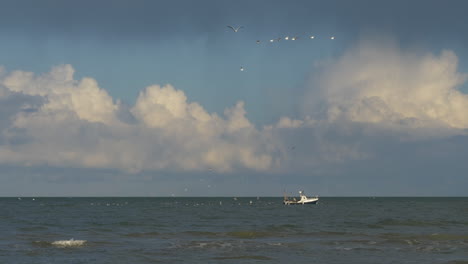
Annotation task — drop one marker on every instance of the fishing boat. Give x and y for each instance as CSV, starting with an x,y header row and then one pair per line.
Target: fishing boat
x,y
302,200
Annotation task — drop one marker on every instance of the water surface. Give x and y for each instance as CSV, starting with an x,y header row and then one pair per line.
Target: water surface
x,y
225,230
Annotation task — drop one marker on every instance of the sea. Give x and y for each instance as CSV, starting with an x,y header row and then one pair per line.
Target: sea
x,y
233,230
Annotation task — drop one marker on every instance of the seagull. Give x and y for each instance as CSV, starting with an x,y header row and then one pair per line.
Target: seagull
x,y
241,68
271,40
332,37
235,29
294,38
312,37
258,41
286,38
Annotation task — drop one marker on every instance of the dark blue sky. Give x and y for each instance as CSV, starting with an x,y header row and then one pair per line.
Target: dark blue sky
x,y
145,41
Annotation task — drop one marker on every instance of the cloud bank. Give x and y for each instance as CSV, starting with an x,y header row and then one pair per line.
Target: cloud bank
x,y
373,97
75,123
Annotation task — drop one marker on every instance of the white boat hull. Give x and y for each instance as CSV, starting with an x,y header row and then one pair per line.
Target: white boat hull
x,y
303,200
308,201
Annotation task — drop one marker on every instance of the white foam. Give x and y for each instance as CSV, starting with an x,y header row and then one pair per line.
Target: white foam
x,y
69,243
275,244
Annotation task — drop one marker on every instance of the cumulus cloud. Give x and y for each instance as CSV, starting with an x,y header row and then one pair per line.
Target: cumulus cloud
x,y
371,97
78,124
64,94
374,100
379,83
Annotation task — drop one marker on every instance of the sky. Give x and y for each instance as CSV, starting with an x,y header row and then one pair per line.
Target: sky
x,y
147,98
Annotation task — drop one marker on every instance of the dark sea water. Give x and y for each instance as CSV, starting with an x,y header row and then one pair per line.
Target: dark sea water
x,y
224,230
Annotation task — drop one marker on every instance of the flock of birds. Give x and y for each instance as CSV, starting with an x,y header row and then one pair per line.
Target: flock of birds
x,y
290,38
236,29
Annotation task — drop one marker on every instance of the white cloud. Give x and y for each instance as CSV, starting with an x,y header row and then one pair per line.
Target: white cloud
x,y
64,94
78,126
372,97
374,93
378,83
286,122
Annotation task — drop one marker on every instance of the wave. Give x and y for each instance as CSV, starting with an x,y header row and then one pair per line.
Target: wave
x,y
128,223
286,228
416,238
32,228
203,233
279,232
68,243
206,245
72,243
250,234
253,257
414,223
143,234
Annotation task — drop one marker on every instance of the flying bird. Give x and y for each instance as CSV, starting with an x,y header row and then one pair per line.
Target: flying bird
x,y
332,37
286,38
312,37
241,68
235,29
258,41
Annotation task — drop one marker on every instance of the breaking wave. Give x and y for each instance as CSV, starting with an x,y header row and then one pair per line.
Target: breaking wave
x,y
61,243
68,243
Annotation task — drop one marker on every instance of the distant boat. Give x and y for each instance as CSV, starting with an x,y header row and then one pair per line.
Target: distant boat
x,y
302,200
